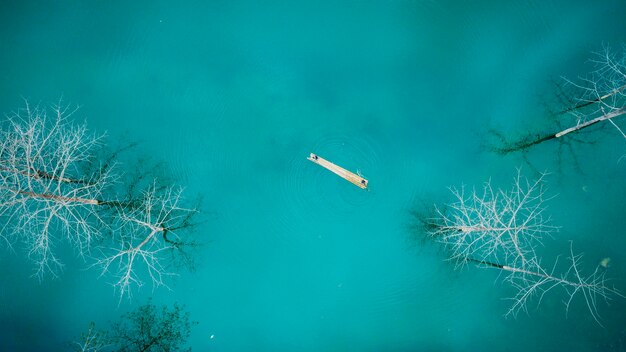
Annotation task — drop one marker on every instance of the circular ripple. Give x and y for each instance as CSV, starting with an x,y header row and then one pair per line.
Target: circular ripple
x,y
193,152
310,190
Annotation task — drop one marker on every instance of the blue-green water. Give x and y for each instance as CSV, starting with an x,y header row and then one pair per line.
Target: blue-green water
x,y
233,95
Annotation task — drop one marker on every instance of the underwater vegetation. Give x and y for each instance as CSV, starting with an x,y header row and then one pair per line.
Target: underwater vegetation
x,y
147,328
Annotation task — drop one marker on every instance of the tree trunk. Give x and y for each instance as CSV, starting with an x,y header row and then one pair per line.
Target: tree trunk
x,y
591,122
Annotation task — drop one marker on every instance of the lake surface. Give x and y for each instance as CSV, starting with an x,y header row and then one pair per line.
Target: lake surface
x,y
234,95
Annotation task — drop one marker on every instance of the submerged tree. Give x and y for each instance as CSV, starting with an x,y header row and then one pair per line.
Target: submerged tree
x,y
146,329
501,229
93,340
55,187
600,98
494,225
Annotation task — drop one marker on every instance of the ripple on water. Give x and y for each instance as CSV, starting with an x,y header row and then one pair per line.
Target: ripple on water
x,y
421,292
193,152
309,190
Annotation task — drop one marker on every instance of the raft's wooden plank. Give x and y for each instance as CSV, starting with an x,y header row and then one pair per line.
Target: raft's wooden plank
x,y
340,171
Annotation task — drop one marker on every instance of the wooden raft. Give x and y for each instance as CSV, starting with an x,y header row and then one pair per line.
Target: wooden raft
x,y
338,170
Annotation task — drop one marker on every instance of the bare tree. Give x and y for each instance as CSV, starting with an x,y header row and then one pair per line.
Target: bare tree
x,y
534,281
148,233
501,229
494,225
43,194
55,189
600,98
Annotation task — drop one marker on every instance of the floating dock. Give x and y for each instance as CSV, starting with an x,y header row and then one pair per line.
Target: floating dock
x,y
340,171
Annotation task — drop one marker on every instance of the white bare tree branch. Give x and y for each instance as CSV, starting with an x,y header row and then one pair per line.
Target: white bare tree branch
x,y
603,93
146,233
49,197
599,98
495,225
536,282
44,195
501,229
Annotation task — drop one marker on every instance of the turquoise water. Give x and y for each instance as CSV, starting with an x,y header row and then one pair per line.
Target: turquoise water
x,y
233,95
